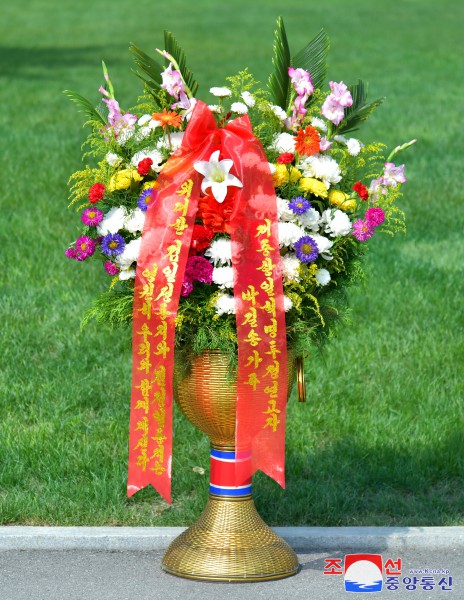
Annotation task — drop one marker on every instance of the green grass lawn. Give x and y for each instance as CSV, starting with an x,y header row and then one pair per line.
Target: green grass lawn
x,y
380,440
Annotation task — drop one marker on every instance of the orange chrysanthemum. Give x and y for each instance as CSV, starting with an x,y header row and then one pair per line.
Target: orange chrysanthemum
x,y
308,141
168,118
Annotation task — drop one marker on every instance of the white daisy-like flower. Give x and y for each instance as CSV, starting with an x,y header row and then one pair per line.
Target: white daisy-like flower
x,y
223,277
216,175
278,111
220,92
321,167
225,305
337,223
215,108
152,153
310,220
284,142
113,159
220,252
322,276
284,213
129,255
354,146
290,267
289,233
287,303
135,220
323,245
239,108
125,274
318,124
113,221
248,98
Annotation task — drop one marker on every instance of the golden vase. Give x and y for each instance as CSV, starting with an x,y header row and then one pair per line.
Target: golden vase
x,y
230,541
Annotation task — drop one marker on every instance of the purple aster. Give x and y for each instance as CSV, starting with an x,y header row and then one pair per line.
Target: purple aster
x,y
85,247
111,268
113,244
374,216
144,199
299,205
362,230
306,249
92,216
71,253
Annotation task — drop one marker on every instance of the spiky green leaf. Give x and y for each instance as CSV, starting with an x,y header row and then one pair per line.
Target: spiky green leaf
x,y
279,81
172,47
149,66
313,58
360,110
86,107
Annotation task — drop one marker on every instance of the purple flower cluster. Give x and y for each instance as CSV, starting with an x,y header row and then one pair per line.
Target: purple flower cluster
x,y
144,199
363,229
306,249
83,248
299,205
113,244
198,268
92,217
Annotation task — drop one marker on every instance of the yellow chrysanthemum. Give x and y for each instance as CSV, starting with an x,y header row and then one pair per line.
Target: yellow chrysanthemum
x,y
123,179
149,184
284,175
341,200
313,186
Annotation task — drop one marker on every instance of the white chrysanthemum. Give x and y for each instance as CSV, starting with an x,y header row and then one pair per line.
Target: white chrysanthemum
x,y
152,153
290,267
354,146
113,159
336,222
324,168
287,303
225,305
144,119
126,274
129,255
239,108
125,135
176,141
215,108
284,142
248,98
323,245
310,219
278,111
318,124
220,92
142,133
223,277
220,252
113,221
135,220
289,233
284,213
322,277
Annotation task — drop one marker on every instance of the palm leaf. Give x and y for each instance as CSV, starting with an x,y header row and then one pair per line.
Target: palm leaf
x,y
313,58
149,66
86,107
279,81
172,47
360,110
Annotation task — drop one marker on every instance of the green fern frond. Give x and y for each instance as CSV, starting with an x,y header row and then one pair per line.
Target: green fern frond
x,y
359,111
149,66
172,47
113,308
86,107
279,81
313,58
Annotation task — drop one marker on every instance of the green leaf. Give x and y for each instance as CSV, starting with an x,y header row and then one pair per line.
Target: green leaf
x,y
359,111
172,47
86,107
279,81
313,58
149,66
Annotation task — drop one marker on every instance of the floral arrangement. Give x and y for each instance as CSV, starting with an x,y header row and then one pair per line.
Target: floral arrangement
x,y
334,192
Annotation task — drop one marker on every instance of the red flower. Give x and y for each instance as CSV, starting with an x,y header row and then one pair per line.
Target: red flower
x,y
96,192
286,158
308,141
144,166
361,190
201,238
214,215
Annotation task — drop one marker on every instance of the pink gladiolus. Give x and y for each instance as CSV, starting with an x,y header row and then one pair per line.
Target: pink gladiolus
x,y
174,85
393,175
334,105
116,119
324,144
301,81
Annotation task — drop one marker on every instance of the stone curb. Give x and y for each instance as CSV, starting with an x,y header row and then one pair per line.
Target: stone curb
x,y
303,539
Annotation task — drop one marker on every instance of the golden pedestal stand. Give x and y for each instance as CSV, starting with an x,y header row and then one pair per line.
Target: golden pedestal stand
x,y
230,541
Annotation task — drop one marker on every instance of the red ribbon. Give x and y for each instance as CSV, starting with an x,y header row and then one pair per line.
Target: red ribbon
x,y
258,292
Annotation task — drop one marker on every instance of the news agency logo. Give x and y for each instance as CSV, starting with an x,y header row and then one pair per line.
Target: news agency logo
x,y
363,573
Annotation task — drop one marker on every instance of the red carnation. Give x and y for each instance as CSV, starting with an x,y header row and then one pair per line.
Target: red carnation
x,y
144,166
286,158
201,239
96,192
361,190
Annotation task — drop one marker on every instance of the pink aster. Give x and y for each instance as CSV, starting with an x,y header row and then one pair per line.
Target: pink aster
x,y
362,230
111,268
85,247
92,217
374,216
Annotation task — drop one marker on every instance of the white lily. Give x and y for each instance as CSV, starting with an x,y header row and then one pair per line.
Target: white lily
x,y
216,175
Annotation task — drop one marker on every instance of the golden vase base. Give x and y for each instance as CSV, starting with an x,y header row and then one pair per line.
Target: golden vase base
x,y
230,542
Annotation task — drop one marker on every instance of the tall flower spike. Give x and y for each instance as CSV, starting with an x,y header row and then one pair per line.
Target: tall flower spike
x,y
216,175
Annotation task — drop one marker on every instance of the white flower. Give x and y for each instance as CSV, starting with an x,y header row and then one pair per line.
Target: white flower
x,y
220,252
239,107
287,303
284,142
279,112
215,108
249,99
341,139
318,124
284,213
272,168
323,245
337,222
321,167
144,119
129,255
176,141
289,233
290,267
223,277
216,175
220,92
310,219
322,277
135,220
225,305
113,221
124,135
126,274
142,133
152,153
113,159
354,146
